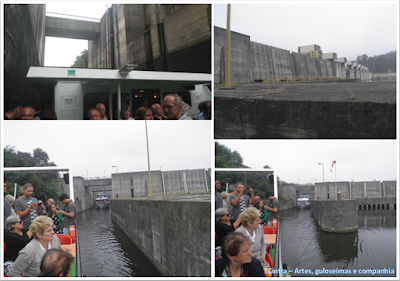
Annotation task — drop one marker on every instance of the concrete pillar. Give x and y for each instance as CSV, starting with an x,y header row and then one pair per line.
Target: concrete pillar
x,y
338,216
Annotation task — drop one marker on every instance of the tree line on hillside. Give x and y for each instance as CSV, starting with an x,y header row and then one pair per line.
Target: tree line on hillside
x,y
41,182
82,60
379,64
225,158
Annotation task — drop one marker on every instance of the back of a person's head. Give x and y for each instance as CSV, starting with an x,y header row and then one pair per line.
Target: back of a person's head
x,y
63,196
49,113
11,103
55,263
268,194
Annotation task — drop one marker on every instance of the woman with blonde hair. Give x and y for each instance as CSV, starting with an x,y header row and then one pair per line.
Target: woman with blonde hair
x,y
30,257
252,229
144,113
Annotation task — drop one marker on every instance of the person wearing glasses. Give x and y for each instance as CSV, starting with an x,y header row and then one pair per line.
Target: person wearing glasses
x,y
224,225
252,229
30,257
144,113
15,239
173,108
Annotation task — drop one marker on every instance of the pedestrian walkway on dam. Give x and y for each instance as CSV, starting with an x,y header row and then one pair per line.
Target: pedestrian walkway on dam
x,y
380,92
306,110
202,197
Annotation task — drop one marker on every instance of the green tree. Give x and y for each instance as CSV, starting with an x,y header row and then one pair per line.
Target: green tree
x,y
82,60
42,182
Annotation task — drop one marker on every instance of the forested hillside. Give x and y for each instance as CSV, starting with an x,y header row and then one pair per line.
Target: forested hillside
x,y
379,64
225,158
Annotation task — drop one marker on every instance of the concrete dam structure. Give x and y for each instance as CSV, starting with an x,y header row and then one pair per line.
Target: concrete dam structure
x,y
154,37
172,228
251,61
300,97
367,195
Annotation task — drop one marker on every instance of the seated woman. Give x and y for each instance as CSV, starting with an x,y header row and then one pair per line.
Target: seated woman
x,y
224,225
126,113
30,257
236,258
57,219
144,113
15,238
263,212
253,230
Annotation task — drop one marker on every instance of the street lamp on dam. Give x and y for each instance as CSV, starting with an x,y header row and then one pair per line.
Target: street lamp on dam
x,y
118,195
323,181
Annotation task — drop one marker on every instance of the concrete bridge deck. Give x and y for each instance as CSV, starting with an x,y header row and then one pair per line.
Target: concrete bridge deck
x,y
306,110
71,28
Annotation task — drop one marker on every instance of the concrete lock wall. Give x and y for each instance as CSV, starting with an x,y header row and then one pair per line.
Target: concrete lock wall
x,y
247,118
24,28
268,63
338,216
174,235
154,37
288,191
136,184
240,56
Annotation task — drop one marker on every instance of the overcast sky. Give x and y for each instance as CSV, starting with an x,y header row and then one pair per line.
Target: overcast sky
x,y
62,51
296,161
346,28
97,146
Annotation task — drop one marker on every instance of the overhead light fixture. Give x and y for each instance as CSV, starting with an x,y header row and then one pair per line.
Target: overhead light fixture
x,y
127,68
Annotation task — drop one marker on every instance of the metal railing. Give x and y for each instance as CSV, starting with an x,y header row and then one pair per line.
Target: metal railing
x,y
58,15
277,254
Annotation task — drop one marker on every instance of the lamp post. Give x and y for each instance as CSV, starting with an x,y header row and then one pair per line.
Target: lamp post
x,y
323,181
118,195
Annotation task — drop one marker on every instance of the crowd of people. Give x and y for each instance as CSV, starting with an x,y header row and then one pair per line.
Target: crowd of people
x,y
174,109
31,247
239,230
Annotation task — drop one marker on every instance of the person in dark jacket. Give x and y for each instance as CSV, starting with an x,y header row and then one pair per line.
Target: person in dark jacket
x,y
236,258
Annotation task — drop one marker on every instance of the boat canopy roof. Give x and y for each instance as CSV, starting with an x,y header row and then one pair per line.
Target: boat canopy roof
x,y
48,75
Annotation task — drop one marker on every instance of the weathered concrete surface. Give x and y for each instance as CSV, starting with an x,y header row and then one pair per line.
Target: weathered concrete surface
x,y
70,28
154,37
173,232
338,216
23,47
354,190
306,110
136,184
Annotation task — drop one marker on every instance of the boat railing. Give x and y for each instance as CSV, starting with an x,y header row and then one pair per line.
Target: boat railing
x,y
78,268
277,253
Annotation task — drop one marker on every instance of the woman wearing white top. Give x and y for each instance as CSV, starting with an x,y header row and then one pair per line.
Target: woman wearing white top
x,y
253,230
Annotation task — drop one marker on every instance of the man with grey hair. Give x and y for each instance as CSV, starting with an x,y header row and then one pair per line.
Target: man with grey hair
x,y
239,201
173,108
27,206
94,114
157,112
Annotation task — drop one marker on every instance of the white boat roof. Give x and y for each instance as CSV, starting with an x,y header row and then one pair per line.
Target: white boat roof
x,y
36,73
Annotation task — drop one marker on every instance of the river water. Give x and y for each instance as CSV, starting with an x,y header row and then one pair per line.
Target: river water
x,y
106,250
306,247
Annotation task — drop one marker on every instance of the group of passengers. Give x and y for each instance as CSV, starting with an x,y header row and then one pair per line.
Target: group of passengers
x,y
174,109
30,247
239,232
15,109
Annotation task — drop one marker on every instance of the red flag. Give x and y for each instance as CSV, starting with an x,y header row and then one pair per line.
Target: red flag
x,y
333,162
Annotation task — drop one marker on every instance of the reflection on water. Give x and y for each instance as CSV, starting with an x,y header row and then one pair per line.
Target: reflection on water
x,y
106,250
305,246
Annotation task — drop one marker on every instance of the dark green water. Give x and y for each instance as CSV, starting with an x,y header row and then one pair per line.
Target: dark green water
x,y
105,249
372,247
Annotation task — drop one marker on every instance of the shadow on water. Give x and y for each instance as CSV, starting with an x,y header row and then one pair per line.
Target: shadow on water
x,y
305,246
106,250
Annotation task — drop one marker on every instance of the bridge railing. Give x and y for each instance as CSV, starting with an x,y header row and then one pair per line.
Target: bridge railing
x,y
58,15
